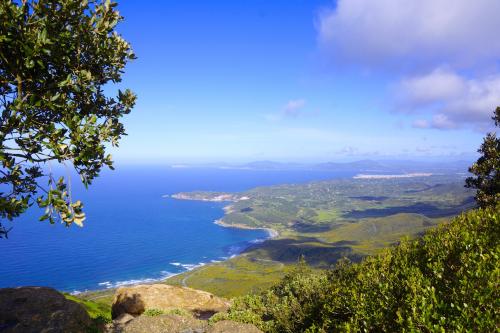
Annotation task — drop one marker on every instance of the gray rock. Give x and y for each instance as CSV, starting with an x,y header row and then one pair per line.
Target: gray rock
x,y
137,299
40,310
123,319
165,324
229,326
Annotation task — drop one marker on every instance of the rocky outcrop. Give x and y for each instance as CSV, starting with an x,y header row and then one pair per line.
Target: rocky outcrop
x,y
172,323
40,310
135,300
165,324
229,326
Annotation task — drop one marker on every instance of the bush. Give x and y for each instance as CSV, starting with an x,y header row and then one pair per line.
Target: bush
x,y
158,312
448,280
152,312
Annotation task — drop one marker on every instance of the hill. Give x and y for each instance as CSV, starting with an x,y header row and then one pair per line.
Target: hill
x,y
324,222
448,280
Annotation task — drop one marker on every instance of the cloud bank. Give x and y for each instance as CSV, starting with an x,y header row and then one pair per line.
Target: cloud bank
x,y
442,54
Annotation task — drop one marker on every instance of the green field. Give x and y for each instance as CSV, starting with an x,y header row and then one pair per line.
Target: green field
x,y
324,222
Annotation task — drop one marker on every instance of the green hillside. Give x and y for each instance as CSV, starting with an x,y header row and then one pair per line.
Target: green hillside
x,y
324,222
446,281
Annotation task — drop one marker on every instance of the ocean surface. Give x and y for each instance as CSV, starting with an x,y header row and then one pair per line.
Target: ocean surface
x,y
133,233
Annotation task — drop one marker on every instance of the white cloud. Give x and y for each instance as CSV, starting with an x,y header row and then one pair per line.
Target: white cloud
x,y
438,85
293,107
453,99
452,31
348,150
420,123
442,54
441,121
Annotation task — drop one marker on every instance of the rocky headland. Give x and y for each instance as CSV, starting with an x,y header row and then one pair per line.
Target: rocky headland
x,y
151,308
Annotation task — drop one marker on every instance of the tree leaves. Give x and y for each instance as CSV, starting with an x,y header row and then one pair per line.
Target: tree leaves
x,y
55,58
487,169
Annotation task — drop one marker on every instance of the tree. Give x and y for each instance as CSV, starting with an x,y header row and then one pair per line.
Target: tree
x,y
56,56
486,170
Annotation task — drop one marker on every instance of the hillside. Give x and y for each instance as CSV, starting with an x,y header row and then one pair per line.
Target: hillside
x,y
324,222
448,280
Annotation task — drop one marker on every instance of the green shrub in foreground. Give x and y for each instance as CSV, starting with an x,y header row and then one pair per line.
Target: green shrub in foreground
x,y
448,280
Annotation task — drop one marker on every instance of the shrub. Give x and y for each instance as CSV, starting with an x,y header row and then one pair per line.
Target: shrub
x,y
152,312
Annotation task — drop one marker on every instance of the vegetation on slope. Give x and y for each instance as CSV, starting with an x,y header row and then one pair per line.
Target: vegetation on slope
x,y
99,311
324,222
235,277
448,280
319,206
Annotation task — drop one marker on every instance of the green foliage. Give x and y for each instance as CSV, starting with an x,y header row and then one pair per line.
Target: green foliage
x,y
55,58
320,206
94,309
99,312
234,277
487,169
325,221
153,312
448,280
158,312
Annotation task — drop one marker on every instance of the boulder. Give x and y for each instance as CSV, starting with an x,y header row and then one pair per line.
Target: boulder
x,y
40,310
171,323
165,324
135,300
229,326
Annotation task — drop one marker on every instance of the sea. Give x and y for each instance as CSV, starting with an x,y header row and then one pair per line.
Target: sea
x,y
134,232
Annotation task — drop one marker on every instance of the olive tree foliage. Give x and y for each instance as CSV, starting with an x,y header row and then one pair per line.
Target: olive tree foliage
x,y
55,58
486,170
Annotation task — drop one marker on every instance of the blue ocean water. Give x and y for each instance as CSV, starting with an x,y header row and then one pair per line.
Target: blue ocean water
x,y
132,232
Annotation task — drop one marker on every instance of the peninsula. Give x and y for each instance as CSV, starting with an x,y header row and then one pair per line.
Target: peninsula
x,y
209,196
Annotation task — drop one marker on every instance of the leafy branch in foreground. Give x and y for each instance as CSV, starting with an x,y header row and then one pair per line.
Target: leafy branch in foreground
x,y
56,56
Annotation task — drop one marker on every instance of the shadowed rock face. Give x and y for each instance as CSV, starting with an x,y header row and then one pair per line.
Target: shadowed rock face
x,y
136,299
40,310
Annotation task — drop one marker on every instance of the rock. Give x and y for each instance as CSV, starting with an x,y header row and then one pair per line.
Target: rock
x,y
40,310
229,326
135,300
119,323
123,319
165,324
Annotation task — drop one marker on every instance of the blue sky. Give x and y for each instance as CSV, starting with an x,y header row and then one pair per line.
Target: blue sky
x,y
299,80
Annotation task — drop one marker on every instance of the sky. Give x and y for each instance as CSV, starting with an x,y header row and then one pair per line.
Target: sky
x,y
309,80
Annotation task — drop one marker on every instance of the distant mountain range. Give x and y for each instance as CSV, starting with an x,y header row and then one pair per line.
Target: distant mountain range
x,y
361,166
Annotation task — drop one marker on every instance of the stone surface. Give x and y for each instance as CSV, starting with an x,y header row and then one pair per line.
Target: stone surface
x,y
165,324
228,326
135,300
123,319
40,310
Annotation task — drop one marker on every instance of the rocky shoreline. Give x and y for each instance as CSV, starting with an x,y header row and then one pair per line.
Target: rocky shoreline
x,y
272,233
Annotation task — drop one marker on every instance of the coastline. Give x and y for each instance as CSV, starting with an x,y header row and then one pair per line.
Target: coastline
x,y
271,232
406,175
222,197
109,286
